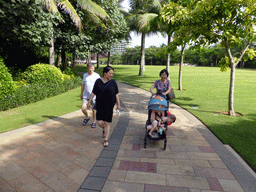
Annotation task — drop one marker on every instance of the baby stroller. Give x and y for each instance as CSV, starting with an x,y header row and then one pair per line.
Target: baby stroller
x,y
156,103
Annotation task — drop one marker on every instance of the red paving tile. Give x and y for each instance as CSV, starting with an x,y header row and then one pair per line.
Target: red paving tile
x,y
214,184
142,154
153,188
137,166
206,149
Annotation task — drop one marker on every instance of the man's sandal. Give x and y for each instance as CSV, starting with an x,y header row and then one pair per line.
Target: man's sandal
x,y
93,125
105,144
85,121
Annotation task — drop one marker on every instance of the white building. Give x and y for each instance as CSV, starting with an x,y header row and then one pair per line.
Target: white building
x,y
121,47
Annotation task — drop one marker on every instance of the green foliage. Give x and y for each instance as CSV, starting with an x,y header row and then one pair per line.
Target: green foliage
x,y
115,59
223,64
24,30
69,73
249,54
35,92
43,74
7,85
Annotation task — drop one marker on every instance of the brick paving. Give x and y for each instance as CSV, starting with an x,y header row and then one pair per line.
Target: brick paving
x,y
62,155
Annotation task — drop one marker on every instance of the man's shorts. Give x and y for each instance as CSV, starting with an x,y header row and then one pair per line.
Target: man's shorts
x,y
85,101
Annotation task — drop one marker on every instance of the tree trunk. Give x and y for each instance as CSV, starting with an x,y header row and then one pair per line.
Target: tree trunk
x,y
51,49
98,61
59,59
181,64
242,65
232,76
89,57
63,58
142,57
231,90
168,56
108,64
231,110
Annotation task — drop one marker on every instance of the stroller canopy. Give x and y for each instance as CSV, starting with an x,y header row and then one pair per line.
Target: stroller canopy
x,y
157,102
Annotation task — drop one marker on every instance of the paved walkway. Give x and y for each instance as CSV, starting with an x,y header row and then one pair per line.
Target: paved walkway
x,y
62,155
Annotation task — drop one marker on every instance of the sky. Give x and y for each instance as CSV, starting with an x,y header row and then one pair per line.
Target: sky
x,y
152,40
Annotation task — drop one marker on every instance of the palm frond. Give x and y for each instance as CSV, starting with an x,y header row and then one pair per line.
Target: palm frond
x,y
50,5
95,20
94,8
68,8
155,6
148,22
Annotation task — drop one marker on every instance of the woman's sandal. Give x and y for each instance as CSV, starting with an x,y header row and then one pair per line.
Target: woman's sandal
x,y
105,144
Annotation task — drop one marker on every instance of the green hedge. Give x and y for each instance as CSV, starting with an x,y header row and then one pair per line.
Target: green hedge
x,y
7,85
36,92
43,74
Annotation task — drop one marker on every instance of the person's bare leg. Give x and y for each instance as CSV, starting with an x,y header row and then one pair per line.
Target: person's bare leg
x,y
84,110
162,114
152,116
106,130
149,127
94,116
102,125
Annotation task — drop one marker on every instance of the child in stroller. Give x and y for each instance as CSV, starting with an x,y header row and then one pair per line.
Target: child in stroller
x,y
157,115
159,120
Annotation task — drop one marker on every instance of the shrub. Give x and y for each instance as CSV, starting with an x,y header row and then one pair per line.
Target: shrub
x,y
70,72
43,74
7,85
35,92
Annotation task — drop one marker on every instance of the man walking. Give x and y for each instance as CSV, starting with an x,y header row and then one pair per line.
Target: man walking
x,y
89,79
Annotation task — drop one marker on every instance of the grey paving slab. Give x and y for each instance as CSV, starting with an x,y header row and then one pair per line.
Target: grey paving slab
x,y
99,171
93,183
105,162
153,188
108,154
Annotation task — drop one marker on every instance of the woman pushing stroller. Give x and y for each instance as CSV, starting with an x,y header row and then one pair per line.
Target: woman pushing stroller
x,y
163,86
157,117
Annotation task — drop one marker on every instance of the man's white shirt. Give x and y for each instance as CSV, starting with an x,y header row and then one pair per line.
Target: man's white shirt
x,y
88,81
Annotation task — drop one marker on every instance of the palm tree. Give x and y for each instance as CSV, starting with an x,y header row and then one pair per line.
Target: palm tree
x,y
143,20
93,11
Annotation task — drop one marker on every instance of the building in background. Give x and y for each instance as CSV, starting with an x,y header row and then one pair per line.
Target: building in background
x,y
121,47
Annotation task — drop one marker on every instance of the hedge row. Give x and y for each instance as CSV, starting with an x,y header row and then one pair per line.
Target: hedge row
x,y
38,82
36,92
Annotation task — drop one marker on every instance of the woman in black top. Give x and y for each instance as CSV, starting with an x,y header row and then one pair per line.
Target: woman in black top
x,y
106,91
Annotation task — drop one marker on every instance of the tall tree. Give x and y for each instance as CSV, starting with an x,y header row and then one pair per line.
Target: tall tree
x,y
24,29
93,12
113,34
172,14
227,21
143,23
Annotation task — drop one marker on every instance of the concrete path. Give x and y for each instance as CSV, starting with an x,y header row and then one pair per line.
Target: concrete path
x,y
62,155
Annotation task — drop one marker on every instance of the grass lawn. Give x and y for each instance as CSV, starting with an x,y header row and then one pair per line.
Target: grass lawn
x,y
204,87
40,111
208,89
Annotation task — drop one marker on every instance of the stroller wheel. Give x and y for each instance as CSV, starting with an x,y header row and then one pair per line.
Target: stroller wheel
x,y
145,142
165,144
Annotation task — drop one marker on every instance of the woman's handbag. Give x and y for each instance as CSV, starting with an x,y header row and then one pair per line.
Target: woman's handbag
x,y
170,95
